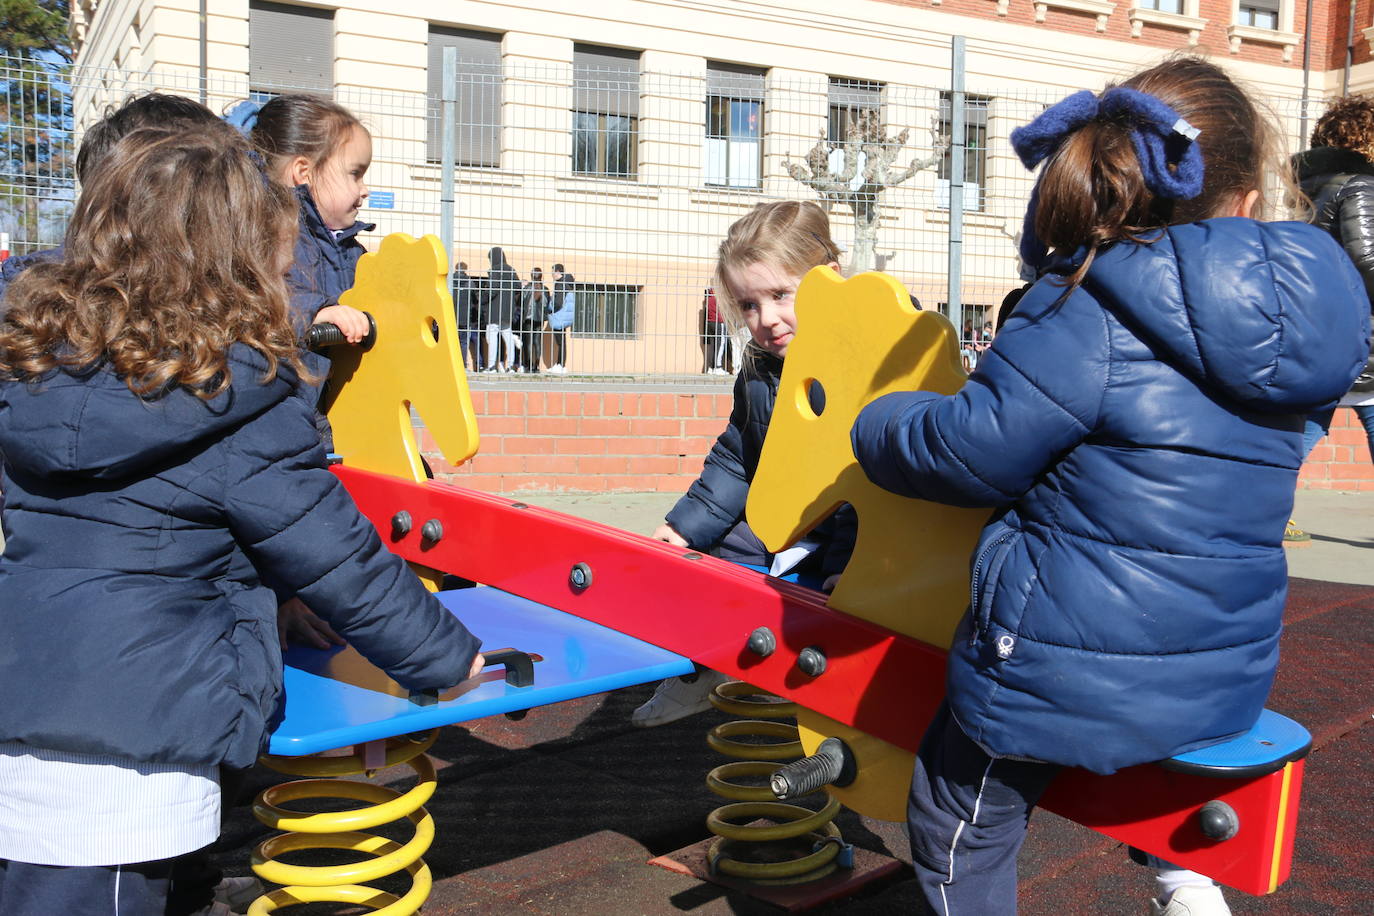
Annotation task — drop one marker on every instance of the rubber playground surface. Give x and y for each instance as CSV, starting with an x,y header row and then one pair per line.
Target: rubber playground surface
x,y
560,812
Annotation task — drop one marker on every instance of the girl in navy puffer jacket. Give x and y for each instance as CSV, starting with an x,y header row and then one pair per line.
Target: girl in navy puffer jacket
x,y
1137,424
162,478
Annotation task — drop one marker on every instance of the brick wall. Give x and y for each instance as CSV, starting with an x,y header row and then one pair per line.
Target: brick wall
x,y
1341,460
596,441
589,441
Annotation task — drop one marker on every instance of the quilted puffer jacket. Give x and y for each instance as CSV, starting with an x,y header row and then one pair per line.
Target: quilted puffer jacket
x,y
1340,183
1142,438
713,506
141,538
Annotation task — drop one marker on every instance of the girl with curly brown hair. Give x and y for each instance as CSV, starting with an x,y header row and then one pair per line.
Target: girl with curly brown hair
x,y
163,476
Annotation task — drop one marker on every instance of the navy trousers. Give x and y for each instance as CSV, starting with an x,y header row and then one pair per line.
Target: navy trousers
x,y
166,887
967,816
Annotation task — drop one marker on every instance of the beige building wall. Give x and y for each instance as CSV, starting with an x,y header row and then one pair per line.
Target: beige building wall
x,y
661,228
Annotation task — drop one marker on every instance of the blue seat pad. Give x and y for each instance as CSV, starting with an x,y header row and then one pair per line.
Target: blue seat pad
x,y
335,698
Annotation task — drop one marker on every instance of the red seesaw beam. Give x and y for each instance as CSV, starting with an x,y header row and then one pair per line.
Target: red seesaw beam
x,y
880,682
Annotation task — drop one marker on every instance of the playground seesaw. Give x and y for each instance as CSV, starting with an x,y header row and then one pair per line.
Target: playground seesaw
x,y
601,608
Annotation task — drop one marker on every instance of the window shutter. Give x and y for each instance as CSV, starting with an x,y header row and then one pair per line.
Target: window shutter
x,y
290,48
478,92
847,93
605,80
734,81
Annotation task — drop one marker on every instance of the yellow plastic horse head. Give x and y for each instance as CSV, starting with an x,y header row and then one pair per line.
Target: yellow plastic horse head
x,y
859,339
404,286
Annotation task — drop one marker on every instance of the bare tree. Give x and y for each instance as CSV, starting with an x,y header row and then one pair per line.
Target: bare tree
x,y
859,175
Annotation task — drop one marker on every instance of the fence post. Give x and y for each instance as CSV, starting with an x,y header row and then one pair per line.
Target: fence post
x,y
957,139
448,147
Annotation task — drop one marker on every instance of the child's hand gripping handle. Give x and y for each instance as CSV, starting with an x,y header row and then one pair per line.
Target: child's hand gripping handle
x,y
519,673
327,334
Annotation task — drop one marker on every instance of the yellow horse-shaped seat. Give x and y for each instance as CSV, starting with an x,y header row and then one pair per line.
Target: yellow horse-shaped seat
x,y
414,363
859,339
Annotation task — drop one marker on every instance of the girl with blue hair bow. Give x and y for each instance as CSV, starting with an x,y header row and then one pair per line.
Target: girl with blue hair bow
x,y
1137,428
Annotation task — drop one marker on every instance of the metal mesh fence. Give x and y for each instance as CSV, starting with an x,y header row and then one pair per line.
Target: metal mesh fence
x,y
628,178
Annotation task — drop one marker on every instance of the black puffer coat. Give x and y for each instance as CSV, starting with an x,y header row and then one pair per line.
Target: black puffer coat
x,y
1340,183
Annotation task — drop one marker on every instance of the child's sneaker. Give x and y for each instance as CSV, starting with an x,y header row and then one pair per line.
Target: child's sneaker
x,y
1292,534
1192,900
675,699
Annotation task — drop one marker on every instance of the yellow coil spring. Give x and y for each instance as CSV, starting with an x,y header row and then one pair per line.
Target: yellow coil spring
x,y
346,830
753,801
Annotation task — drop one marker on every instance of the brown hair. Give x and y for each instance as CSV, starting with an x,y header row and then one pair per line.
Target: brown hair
x,y
792,234
301,124
155,281
1347,124
1092,191
152,109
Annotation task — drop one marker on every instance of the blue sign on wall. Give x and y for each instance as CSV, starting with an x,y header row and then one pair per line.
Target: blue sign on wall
x,y
381,200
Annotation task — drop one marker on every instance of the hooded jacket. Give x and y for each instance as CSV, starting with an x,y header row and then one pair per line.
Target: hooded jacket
x,y
325,263
1141,438
714,504
141,535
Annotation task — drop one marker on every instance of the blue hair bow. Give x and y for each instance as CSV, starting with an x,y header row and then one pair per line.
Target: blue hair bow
x,y
1170,159
244,116
1165,145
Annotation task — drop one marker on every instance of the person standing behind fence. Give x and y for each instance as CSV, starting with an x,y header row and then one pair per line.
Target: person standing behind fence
x,y
562,313
1136,428
715,333
534,305
465,316
500,301
760,263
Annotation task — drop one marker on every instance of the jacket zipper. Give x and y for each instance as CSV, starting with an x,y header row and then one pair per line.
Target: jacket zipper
x,y
975,591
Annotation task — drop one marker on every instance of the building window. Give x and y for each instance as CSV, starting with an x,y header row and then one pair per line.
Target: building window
x,y
975,152
606,310
1261,14
290,49
734,126
605,111
478,91
849,99
1164,6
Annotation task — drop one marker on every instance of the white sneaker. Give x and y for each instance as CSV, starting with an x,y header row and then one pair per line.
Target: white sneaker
x,y
558,369
238,893
675,699
1192,900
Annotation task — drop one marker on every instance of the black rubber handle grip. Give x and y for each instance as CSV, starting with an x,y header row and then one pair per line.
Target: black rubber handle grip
x,y
327,334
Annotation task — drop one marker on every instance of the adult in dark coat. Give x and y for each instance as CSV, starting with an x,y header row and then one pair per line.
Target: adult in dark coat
x,y
500,303
561,315
534,305
465,290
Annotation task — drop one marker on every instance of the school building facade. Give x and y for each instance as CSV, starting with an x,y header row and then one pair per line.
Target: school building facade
x,y
622,138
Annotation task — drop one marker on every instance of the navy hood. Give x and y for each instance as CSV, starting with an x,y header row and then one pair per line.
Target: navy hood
x,y
89,424
1265,314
